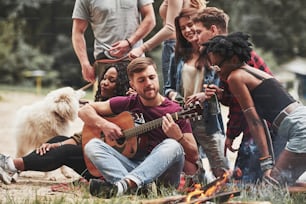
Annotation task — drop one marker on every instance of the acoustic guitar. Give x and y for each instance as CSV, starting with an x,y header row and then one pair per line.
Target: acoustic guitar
x,y
127,145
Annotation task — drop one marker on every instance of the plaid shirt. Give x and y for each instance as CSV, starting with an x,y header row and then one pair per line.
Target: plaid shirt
x,y
236,121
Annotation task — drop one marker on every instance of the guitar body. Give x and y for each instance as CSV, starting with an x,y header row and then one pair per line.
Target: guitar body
x,y
127,146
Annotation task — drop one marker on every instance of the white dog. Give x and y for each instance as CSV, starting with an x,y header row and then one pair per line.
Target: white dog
x,y
41,121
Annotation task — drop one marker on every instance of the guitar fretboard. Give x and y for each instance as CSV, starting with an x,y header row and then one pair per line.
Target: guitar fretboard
x,y
146,127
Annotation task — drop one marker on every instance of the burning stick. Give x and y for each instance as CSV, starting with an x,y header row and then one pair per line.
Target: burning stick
x,y
208,191
218,198
201,194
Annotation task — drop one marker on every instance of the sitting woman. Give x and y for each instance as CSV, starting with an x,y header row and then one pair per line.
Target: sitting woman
x,y
63,150
262,97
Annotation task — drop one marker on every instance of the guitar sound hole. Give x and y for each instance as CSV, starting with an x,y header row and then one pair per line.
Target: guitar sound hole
x,y
121,141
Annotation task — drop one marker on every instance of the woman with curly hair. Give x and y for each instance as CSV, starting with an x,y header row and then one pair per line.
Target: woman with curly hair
x,y
261,96
112,83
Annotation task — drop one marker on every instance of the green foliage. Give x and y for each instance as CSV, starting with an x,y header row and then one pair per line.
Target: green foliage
x,y
16,56
276,26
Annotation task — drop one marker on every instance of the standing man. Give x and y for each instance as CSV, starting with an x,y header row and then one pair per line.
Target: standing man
x,y
210,22
162,152
122,24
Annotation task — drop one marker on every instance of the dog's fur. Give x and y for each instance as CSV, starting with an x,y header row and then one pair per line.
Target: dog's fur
x,y
41,121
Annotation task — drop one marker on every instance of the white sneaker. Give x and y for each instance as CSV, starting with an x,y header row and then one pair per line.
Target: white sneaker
x,y
5,177
4,164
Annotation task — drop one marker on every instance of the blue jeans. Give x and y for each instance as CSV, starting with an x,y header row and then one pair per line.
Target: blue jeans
x,y
165,163
167,50
248,161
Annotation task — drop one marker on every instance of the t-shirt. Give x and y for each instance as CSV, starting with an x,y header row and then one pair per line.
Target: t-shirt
x,y
134,105
194,75
110,20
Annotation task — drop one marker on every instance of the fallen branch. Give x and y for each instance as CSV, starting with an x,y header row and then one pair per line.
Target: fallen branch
x,y
170,199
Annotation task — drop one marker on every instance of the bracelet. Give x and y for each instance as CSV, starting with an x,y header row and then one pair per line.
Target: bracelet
x,y
130,45
266,164
263,158
179,140
248,109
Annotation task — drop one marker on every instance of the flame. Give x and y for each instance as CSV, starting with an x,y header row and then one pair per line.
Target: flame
x,y
211,190
197,192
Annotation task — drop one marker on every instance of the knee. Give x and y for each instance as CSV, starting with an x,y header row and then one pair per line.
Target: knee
x,y
173,147
91,147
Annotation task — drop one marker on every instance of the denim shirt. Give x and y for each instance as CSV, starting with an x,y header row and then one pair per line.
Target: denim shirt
x,y
212,123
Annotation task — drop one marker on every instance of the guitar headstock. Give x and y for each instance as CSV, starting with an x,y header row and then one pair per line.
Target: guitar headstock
x,y
193,111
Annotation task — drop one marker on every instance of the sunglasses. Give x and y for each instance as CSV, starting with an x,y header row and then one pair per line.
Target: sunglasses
x,y
217,67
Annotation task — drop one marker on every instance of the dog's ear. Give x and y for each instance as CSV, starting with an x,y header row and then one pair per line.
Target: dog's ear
x,y
63,98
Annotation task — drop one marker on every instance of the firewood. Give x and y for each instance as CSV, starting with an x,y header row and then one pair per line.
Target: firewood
x,y
170,199
297,189
248,202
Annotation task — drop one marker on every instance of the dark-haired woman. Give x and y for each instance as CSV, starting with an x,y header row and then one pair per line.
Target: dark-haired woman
x,y
262,96
63,150
187,74
168,10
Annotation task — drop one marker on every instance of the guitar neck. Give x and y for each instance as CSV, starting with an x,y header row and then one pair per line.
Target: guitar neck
x,y
146,127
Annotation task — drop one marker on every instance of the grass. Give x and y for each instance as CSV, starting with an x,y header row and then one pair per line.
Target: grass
x,y
261,192
249,193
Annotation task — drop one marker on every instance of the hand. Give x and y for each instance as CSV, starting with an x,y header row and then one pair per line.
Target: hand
x,y
267,178
130,92
119,48
88,73
136,52
46,147
212,89
176,97
170,128
112,131
229,145
201,97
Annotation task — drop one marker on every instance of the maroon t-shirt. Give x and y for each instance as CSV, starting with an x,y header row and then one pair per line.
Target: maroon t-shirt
x,y
144,114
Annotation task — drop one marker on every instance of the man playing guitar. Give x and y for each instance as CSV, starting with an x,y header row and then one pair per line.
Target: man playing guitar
x,y
168,149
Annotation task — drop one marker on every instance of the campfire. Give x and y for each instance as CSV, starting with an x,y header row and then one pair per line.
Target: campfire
x,y
210,192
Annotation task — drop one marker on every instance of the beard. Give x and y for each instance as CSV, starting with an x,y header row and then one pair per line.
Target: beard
x,y
149,94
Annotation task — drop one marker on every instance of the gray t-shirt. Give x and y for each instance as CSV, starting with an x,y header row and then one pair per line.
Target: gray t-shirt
x,y
110,20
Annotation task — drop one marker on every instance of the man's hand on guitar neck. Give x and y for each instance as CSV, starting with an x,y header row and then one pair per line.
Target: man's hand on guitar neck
x,y
170,128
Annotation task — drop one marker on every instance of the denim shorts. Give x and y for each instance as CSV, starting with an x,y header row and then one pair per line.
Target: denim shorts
x,y
293,130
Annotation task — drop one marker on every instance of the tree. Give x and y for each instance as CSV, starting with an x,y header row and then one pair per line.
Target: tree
x,y
275,25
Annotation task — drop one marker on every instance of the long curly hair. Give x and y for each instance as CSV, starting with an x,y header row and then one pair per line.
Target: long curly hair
x,y
236,43
122,82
